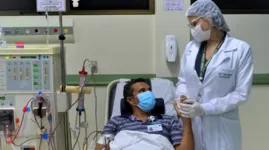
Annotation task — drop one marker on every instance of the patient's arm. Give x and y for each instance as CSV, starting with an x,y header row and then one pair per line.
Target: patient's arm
x,y
103,142
108,134
187,142
101,147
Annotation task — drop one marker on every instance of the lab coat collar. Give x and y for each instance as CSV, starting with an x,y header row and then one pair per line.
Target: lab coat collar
x,y
227,46
219,57
224,54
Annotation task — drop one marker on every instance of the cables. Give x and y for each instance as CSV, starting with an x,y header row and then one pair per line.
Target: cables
x,y
95,109
63,115
1,144
80,94
95,99
39,148
12,146
95,137
85,121
31,105
47,19
51,143
17,133
23,117
96,133
40,142
27,141
79,122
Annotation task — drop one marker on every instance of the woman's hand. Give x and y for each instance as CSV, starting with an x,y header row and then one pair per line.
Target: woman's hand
x,y
180,100
177,102
177,108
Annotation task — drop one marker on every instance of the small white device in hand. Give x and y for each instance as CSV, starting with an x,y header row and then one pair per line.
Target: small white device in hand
x,y
171,48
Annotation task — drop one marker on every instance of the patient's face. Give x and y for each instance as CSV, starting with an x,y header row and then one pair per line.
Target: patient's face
x,y
138,88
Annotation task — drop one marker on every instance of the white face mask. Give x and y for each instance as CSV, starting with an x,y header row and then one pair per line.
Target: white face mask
x,y
199,35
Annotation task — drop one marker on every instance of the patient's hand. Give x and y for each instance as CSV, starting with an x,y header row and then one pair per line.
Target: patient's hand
x,y
182,98
187,140
176,106
177,101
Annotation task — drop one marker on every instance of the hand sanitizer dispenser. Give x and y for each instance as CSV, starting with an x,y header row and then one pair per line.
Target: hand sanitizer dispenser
x,y
171,48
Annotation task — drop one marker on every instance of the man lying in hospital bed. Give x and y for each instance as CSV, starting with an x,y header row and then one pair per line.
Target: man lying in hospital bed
x,y
140,129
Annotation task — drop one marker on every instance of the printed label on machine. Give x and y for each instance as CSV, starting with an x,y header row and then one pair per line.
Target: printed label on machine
x,y
51,6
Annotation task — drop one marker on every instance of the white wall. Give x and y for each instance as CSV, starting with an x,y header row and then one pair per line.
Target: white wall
x,y
136,42
115,42
254,119
253,29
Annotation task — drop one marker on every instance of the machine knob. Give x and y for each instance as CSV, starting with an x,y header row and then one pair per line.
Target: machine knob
x,y
7,32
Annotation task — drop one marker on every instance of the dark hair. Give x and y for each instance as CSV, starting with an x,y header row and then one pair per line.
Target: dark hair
x,y
128,88
128,91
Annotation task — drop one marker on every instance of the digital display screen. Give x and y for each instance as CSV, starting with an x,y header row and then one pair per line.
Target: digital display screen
x,y
28,57
18,5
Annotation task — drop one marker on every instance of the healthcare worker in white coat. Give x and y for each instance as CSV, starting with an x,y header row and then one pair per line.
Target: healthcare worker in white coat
x,y
216,76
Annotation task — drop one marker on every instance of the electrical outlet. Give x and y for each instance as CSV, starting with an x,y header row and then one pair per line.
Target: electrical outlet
x,y
93,66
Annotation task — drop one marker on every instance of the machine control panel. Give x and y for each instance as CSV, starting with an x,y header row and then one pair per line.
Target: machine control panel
x,y
25,73
6,101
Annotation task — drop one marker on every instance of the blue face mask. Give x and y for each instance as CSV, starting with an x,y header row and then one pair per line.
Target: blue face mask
x,y
146,101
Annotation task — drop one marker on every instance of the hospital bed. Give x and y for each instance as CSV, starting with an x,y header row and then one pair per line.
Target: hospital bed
x,y
162,89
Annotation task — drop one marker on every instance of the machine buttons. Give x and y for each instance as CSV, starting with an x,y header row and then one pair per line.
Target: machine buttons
x,y
25,73
65,31
45,73
36,74
14,73
7,101
36,30
7,32
27,31
20,73
17,31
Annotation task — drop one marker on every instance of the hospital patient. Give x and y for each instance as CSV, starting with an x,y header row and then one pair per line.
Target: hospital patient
x,y
140,100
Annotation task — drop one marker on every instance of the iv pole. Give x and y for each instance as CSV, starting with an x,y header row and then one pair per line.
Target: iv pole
x,y
65,125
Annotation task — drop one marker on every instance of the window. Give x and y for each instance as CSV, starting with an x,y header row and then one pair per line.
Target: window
x,y
86,7
242,6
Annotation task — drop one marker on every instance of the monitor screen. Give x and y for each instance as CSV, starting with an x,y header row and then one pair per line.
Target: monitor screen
x,y
113,5
18,5
244,6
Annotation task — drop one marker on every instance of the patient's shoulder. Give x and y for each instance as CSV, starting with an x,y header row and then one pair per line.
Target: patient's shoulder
x,y
118,119
169,117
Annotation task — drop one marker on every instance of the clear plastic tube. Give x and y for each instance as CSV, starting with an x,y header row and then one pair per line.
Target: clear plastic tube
x,y
81,98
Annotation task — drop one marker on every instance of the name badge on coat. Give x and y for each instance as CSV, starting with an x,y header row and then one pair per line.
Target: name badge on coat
x,y
225,73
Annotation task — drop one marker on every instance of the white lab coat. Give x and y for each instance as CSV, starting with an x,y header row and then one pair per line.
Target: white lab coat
x,y
226,86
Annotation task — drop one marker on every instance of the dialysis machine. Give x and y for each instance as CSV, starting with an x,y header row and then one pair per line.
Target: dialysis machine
x,y
30,118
